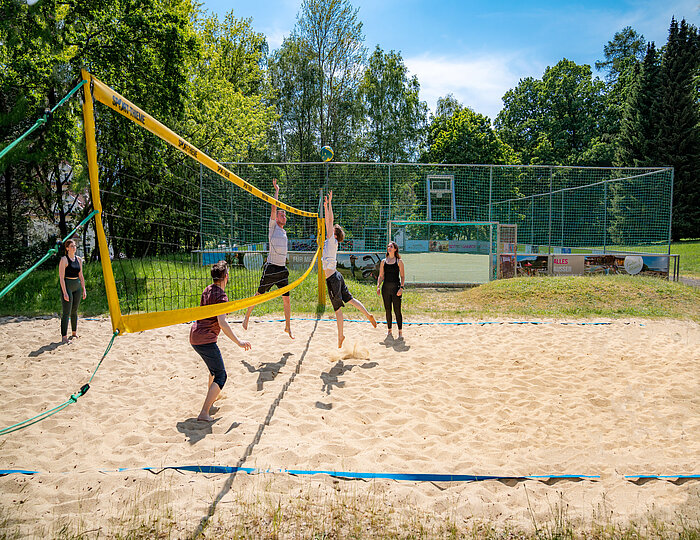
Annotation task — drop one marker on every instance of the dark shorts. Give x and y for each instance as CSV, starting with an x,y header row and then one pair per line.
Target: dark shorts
x,y
273,275
211,355
337,291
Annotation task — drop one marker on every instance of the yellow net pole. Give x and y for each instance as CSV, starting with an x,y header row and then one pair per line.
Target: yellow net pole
x,y
91,149
321,277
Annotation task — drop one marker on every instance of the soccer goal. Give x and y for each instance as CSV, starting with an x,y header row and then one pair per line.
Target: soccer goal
x,y
446,253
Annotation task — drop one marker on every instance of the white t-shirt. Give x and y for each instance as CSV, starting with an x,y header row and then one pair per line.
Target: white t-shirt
x,y
330,253
278,245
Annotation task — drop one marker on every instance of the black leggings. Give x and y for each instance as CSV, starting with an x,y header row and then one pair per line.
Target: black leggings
x,y
70,308
389,291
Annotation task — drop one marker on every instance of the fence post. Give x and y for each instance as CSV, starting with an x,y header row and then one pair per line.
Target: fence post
x,y
549,240
605,217
490,189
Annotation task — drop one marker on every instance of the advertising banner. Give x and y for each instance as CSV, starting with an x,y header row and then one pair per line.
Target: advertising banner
x,y
567,265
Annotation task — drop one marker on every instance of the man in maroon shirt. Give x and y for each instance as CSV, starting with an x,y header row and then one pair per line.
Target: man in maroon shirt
x,y
205,332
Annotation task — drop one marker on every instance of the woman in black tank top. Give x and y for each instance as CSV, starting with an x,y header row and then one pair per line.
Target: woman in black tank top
x,y
390,285
70,273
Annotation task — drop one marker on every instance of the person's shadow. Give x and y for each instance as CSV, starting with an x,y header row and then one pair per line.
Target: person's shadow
x,y
267,370
46,348
195,430
398,344
330,378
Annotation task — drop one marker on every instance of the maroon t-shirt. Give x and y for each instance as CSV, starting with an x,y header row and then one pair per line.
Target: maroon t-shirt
x,y
207,330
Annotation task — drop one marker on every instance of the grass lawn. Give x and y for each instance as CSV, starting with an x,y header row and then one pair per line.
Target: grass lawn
x,y
533,297
689,250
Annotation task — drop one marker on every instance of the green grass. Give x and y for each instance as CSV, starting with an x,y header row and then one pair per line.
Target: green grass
x,y
551,297
689,250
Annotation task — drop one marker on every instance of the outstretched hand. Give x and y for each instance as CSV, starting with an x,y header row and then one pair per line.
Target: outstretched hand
x,y
277,188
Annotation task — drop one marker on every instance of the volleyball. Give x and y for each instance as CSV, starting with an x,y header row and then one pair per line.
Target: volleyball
x,y
326,153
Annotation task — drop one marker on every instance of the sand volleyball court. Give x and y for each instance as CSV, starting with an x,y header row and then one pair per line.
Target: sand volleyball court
x,y
608,401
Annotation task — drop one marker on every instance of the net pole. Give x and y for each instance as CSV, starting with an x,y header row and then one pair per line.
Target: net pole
x,y
91,150
321,238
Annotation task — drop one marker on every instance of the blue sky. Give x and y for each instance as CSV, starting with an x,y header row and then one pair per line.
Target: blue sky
x,y
478,50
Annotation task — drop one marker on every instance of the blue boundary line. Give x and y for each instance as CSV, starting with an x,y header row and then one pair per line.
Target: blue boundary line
x,y
459,323
349,475
410,477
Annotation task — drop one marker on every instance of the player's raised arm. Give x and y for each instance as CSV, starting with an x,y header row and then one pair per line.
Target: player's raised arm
x,y
328,212
273,211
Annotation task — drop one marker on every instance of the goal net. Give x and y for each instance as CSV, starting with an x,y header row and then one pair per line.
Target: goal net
x,y
449,253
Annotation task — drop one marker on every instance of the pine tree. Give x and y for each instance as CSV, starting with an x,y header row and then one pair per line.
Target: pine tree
x,y
639,130
679,125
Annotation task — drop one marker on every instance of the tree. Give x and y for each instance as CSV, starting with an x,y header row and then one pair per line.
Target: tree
x,y
395,116
679,125
43,48
330,31
556,120
296,81
622,53
229,111
637,144
464,136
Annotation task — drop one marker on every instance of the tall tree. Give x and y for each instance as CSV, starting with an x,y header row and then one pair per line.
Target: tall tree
x,y
557,119
395,116
461,135
679,123
228,112
51,41
622,53
296,81
637,144
331,31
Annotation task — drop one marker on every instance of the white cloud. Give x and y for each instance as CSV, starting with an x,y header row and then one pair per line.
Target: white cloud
x,y
478,83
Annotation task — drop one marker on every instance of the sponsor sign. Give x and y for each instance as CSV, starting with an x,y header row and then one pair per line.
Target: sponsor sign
x,y
416,246
463,246
567,265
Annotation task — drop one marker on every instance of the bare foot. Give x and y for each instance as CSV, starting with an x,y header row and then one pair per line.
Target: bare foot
x,y
289,331
205,418
340,341
373,320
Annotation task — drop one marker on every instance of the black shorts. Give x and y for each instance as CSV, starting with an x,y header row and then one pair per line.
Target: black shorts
x,y
273,275
337,291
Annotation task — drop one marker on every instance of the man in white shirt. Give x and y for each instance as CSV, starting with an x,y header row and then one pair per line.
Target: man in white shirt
x,y
338,292
275,271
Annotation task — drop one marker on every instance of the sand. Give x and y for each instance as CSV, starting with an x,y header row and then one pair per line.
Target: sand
x,y
499,399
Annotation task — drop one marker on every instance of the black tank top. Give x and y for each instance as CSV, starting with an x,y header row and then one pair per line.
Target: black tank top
x,y
73,268
391,272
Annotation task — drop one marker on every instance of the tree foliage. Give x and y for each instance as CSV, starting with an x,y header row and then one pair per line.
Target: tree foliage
x,y
460,135
556,119
393,113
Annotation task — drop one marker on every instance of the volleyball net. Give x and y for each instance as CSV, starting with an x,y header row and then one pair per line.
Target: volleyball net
x,y
166,211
